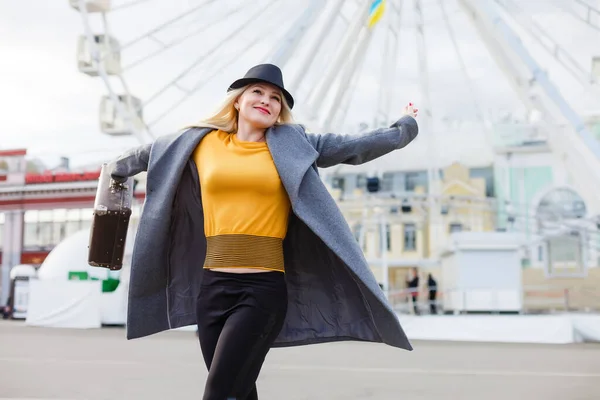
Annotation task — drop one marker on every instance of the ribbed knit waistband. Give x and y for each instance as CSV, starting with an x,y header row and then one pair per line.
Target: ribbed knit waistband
x,y
244,251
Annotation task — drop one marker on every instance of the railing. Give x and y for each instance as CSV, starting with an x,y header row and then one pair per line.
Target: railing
x,y
530,300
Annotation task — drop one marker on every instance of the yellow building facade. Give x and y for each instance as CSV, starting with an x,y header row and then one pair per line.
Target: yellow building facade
x,y
409,231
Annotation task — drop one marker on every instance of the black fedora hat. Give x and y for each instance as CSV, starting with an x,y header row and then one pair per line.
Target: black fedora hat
x,y
268,73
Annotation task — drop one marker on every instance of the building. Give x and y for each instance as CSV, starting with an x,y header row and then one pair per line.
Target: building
x,y
414,237
40,209
523,187
399,221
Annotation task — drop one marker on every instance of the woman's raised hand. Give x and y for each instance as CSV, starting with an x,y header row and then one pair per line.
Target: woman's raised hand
x,y
411,110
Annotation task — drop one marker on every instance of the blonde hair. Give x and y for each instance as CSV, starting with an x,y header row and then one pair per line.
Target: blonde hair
x,y
225,117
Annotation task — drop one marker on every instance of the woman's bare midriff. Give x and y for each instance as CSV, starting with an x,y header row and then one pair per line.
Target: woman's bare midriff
x,y
241,270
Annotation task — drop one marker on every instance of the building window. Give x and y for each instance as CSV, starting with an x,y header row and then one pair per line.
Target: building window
x,y
361,181
387,181
410,237
11,165
540,253
338,183
486,173
44,229
455,227
415,179
38,230
564,249
30,230
388,237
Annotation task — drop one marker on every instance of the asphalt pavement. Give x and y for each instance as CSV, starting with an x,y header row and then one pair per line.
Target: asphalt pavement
x,y
66,364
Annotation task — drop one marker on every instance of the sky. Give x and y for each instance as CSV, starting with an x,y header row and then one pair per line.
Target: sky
x,y
52,109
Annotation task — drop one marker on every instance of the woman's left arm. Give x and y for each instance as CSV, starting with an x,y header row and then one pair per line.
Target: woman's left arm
x,y
336,149
130,163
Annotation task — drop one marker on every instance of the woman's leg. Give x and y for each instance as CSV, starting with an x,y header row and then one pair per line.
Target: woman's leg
x,y
252,323
254,370
211,314
209,330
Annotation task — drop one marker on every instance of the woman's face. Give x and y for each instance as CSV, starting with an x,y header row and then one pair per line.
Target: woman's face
x,y
260,105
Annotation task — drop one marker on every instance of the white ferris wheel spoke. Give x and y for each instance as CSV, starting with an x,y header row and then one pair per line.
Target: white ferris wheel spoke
x,y
207,54
254,40
592,17
581,11
559,53
165,24
202,28
479,114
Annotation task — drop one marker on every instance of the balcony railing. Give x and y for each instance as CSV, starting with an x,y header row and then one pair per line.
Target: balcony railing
x,y
543,299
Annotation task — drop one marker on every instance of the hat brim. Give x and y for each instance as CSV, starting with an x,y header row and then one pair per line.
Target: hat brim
x,y
240,83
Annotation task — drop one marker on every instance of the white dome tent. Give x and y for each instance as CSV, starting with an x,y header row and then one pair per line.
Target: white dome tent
x,y
72,294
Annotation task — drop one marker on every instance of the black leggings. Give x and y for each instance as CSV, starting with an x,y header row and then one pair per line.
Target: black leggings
x,y
239,318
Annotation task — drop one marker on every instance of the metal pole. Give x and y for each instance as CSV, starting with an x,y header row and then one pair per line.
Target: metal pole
x,y
13,247
426,124
363,229
384,258
6,256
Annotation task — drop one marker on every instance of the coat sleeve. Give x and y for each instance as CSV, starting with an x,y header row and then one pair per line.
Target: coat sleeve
x,y
336,149
130,163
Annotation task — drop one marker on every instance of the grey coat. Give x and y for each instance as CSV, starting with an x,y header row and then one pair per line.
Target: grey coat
x,y
332,293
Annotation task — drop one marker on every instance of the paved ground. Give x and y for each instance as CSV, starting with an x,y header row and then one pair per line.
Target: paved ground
x,y
40,363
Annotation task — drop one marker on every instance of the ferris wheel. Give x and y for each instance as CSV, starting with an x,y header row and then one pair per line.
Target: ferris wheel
x,y
163,61
255,33
353,64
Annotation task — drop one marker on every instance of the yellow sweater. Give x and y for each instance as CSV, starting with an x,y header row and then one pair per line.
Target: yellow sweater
x,y
246,207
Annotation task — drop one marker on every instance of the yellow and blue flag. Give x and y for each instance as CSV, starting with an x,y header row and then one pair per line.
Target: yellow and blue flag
x,y
376,11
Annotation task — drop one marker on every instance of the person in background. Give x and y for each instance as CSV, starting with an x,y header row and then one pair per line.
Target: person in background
x,y
432,286
7,309
413,288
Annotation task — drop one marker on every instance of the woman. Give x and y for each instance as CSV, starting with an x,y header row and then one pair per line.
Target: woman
x,y
239,235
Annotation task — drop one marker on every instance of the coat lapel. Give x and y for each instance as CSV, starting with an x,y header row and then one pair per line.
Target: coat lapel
x,y
293,156
170,153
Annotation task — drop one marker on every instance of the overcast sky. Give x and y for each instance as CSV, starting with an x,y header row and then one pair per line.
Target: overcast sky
x,y
51,108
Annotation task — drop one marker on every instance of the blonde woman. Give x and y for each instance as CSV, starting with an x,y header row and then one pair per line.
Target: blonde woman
x,y
239,236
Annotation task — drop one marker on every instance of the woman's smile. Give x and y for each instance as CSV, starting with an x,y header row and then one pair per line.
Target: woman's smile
x,y
263,110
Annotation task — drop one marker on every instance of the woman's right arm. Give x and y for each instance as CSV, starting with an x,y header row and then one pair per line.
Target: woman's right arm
x,y
130,163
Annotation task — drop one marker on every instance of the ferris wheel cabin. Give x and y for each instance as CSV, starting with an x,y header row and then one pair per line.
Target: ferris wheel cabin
x,y
112,122
110,55
92,5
